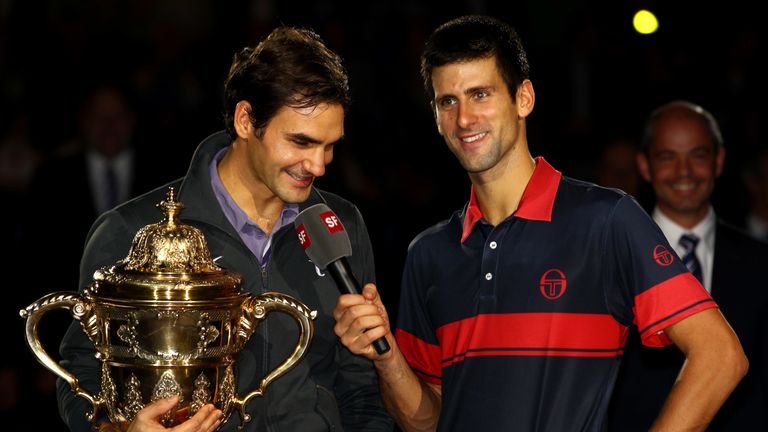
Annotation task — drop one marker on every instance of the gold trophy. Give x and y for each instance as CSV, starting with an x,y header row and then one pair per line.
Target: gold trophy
x,y
167,321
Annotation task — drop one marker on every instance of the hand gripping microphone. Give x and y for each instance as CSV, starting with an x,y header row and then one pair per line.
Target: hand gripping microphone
x,y
327,244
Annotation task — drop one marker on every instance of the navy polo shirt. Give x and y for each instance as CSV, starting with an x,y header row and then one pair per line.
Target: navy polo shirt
x,y
523,324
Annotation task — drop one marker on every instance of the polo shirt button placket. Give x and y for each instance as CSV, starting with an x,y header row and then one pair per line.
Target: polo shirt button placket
x,y
490,258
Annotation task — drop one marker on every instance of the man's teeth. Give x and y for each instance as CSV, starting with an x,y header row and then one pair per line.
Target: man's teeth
x,y
683,186
473,138
299,177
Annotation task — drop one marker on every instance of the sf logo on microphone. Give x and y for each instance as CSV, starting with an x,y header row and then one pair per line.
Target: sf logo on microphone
x,y
304,239
332,222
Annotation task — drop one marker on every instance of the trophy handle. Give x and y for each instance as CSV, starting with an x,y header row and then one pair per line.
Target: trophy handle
x,y
79,308
256,309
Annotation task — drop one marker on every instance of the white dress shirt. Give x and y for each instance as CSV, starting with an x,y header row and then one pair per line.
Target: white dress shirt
x,y
704,230
122,164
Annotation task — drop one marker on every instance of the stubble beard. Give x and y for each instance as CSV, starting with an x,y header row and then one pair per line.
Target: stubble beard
x,y
474,164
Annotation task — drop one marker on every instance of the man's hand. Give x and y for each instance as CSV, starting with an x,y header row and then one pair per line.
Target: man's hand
x,y
360,320
148,419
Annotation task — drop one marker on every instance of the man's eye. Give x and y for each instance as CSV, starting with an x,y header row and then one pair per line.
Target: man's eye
x,y
481,94
447,102
701,154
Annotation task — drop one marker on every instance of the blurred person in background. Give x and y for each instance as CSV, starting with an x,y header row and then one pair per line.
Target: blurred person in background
x,y
99,169
756,180
682,155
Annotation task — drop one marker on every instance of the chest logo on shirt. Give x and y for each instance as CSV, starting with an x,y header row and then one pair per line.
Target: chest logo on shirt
x,y
662,255
552,284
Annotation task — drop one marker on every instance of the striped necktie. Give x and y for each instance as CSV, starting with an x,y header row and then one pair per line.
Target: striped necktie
x,y
112,194
689,243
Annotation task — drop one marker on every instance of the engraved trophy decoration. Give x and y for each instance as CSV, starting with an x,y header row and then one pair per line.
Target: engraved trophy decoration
x,y
167,321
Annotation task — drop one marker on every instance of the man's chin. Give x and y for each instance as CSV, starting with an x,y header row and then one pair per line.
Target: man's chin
x,y
296,196
688,208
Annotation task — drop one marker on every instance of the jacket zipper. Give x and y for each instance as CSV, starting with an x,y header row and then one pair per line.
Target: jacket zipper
x,y
265,355
264,285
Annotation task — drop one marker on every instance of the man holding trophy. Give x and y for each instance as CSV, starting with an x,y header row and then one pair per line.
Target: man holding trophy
x,y
285,102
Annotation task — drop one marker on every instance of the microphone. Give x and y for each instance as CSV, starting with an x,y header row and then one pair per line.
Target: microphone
x,y
327,244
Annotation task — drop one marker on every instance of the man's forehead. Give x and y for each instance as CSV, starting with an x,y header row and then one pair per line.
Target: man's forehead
x,y
315,110
463,75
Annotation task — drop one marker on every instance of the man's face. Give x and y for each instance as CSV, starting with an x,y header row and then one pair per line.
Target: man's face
x,y
475,112
294,148
107,123
682,164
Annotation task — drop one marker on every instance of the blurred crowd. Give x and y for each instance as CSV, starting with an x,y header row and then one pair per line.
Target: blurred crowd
x,y
103,100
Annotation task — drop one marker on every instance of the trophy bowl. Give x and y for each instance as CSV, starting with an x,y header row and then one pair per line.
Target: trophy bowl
x,y
167,321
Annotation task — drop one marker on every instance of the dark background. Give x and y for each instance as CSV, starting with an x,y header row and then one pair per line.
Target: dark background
x,y
595,80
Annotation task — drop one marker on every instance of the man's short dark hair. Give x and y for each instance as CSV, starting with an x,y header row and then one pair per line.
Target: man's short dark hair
x,y
291,67
677,107
476,37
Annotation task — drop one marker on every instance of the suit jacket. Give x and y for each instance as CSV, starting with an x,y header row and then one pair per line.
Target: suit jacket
x,y
646,374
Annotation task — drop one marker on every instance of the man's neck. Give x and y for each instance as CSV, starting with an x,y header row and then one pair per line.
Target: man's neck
x,y
261,205
687,220
500,189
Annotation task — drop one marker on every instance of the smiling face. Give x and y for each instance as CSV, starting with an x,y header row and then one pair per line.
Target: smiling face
x,y
476,114
291,151
682,163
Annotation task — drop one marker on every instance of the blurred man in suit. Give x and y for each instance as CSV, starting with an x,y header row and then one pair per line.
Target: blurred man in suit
x,y
682,156
98,170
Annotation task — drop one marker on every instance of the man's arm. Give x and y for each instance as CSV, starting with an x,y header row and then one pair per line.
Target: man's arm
x,y
361,319
714,365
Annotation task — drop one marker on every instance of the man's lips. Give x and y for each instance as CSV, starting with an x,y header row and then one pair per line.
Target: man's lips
x,y
301,179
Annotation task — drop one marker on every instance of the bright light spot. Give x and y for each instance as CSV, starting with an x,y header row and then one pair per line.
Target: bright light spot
x,y
645,22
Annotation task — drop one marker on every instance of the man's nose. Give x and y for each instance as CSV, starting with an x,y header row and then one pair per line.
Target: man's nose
x,y
315,162
465,116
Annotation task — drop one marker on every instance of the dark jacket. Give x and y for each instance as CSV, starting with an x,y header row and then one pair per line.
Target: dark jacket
x,y
330,389
647,375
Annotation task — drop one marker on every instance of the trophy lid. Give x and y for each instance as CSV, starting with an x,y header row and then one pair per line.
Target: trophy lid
x,y
168,260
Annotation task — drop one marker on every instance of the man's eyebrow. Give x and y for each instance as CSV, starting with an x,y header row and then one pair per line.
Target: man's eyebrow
x,y
300,136
486,88
468,91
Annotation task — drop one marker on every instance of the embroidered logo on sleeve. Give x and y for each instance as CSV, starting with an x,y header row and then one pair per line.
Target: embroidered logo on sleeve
x,y
662,255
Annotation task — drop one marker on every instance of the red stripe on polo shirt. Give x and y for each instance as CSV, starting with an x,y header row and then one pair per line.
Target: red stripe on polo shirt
x,y
532,334
424,358
659,307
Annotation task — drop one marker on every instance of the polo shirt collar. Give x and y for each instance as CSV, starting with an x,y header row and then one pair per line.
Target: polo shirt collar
x,y
536,203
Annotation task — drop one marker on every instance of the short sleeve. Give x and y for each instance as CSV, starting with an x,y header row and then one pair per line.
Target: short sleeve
x,y
647,283
415,333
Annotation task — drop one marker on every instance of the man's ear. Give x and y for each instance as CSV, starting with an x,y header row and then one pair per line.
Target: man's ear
x,y
643,166
242,120
434,115
719,162
525,98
